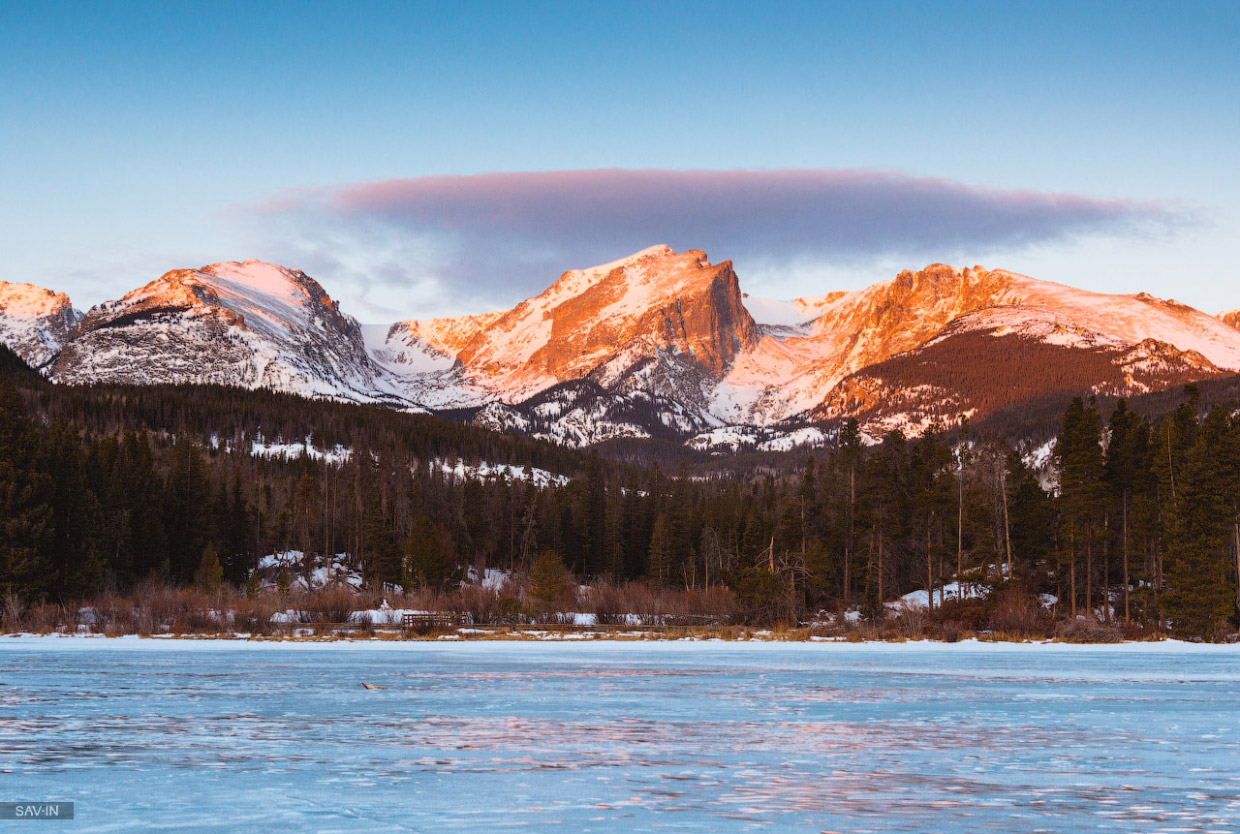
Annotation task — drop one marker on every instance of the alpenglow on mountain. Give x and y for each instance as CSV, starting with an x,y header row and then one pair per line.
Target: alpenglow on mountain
x,y
658,344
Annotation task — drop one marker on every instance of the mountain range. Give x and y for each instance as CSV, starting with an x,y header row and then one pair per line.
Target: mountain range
x,y
659,344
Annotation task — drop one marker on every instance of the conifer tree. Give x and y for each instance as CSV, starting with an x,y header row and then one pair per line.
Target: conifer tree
x,y
1198,599
210,574
187,495
932,498
1127,449
427,563
549,581
27,530
662,544
850,454
1080,466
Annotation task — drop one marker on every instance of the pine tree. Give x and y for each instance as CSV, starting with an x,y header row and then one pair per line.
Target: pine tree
x,y
426,562
1031,514
550,582
210,574
27,532
933,496
595,535
186,522
381,555
850,454
662,545
1198,600
1080,466
252,585
1127,450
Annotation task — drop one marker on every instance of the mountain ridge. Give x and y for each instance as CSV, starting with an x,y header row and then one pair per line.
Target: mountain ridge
x,y
657,344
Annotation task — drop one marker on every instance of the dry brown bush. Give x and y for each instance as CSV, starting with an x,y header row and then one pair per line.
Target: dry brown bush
x,y
253,616
485,606
649,605
45,618
12,613
1020,613
1087,631
966,614
328,605
910,621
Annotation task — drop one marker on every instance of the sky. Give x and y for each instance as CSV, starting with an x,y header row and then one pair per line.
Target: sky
x,y
425,159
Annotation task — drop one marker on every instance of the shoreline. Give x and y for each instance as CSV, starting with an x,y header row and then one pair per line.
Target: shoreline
x,y
134,641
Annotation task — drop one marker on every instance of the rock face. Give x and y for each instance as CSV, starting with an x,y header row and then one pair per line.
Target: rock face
x,y
1231,317
248,324
659,345
34,322
654,305
791,370
654,328
858,356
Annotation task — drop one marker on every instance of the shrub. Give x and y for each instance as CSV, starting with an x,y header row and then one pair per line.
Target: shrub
x,y
329,605
967,614
1017,612
1087,631
910,621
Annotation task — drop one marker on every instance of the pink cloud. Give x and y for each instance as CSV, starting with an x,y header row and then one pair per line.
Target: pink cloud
x,y
521,229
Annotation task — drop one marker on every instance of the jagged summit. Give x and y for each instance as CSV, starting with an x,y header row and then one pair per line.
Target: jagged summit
x,y
657,344
35,322
654,310
657,300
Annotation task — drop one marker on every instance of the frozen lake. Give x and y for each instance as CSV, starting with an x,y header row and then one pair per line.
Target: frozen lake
x,y
211,736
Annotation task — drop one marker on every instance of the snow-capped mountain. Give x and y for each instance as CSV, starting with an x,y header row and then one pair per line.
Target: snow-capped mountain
x,y
945,342
793,369
657,321
35,322
249,324
656,345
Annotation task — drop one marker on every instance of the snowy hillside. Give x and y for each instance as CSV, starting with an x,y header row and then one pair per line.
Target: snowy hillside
x,y
249,324
34,322
659,344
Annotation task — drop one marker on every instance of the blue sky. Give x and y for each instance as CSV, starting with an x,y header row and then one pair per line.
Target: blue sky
x,y
141,137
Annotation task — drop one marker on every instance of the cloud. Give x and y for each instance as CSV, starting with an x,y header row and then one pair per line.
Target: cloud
x,y
451,243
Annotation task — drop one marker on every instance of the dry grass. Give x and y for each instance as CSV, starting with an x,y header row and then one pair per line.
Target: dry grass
x,y
652,606
1087,631
630,611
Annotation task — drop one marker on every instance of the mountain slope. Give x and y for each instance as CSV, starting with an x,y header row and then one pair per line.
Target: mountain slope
x,y
790,370
673,315
34,322
799,368
248,324
659,345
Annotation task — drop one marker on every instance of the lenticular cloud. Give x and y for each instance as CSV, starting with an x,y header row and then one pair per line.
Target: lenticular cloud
x,y
517,231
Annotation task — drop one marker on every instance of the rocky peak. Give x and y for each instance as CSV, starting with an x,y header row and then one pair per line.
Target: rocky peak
x,y
444,335
1231,317
35,322
897,315
656,301
249,324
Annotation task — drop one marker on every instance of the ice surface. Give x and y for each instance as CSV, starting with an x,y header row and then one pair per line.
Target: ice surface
x,y
467,736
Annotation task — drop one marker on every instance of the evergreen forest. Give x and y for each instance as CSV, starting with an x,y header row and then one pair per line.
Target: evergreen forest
x,y
1132,520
